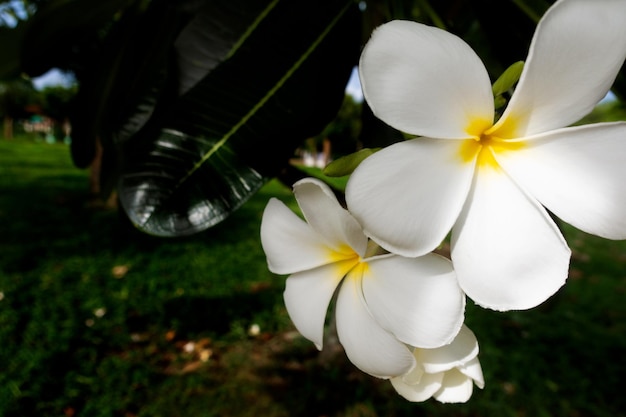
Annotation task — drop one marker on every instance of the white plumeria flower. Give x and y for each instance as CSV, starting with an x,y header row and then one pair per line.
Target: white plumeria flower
x,y
385,302
489,182
447,374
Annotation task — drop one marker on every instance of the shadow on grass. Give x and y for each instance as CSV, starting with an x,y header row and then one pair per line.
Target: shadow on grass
x,y
215,315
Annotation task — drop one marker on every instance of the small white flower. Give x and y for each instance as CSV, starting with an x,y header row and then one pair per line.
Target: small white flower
x,y
254,330
488,181
447,373
189,347
384,302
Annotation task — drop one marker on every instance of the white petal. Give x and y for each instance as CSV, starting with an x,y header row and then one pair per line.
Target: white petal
x,y
456,388
462,350
290,244
576,52
425,81
579,174
473,370
368,346
416,299
421,391
307,296
408,195
322,211
507,252
415,375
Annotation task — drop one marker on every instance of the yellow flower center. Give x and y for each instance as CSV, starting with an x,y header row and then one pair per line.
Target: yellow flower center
x,y
487,141
344,253
345,259
348,261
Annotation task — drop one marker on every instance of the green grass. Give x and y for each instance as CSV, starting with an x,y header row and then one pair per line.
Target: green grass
x,y
97,319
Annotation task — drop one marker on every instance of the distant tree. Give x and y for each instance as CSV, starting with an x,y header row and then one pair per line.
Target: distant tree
x,y
16,96
57,103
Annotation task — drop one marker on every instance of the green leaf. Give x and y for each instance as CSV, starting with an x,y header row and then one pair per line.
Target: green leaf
x,y
168,195
348,163
338,183
121,85
282,80
507,80
499,102
60,27
10,43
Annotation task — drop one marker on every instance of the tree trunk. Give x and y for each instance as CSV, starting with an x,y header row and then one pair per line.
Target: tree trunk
x,y
94,171
8,127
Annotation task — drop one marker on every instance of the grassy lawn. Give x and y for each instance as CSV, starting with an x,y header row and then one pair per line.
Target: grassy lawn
x,y
97,319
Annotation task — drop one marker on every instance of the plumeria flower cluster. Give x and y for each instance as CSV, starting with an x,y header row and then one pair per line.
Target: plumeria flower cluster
x,y
491,181
494,183
397,318
384,302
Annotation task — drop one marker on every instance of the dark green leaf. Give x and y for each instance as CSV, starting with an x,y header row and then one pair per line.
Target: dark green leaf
x,y
60,27
10,45
162,198
280,82
121,85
